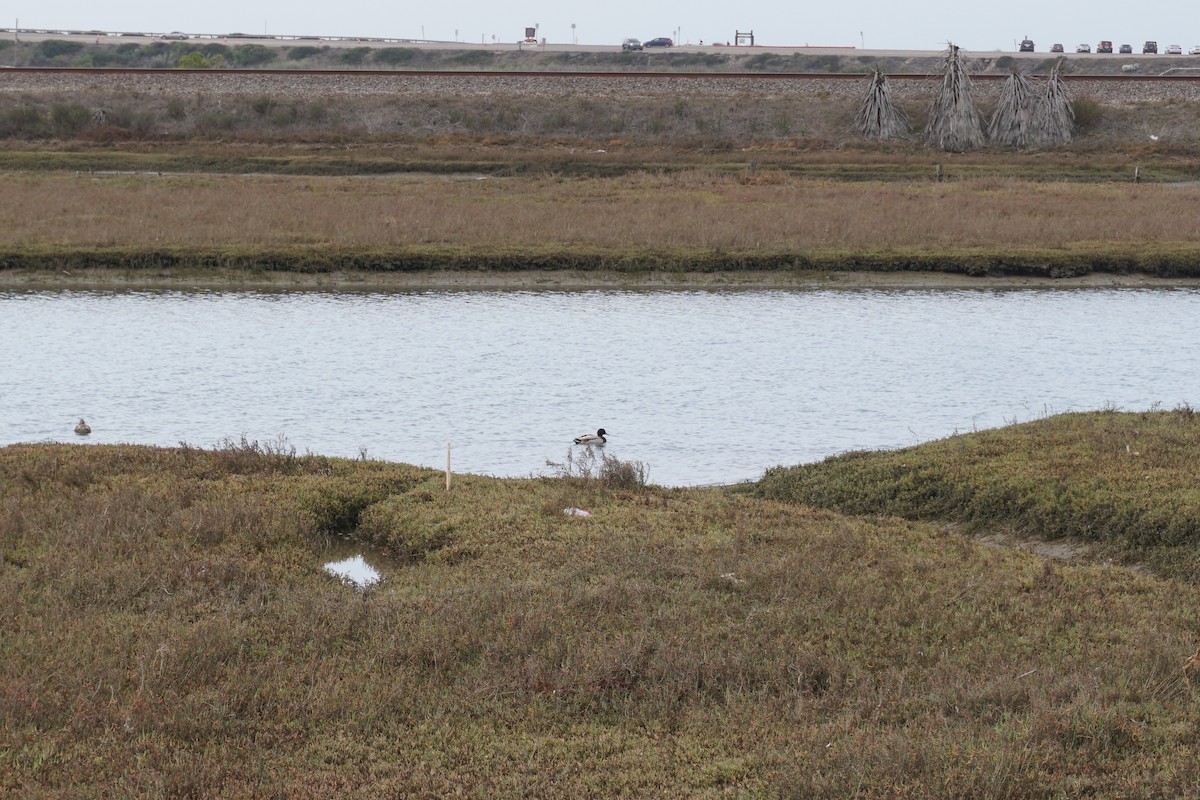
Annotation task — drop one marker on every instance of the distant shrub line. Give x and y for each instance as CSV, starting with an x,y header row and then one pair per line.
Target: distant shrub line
x,y
1165,263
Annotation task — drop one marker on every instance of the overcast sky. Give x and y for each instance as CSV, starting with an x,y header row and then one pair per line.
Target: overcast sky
x,y
875,24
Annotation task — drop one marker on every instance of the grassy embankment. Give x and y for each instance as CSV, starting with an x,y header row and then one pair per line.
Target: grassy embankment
x,y
697,220
169,631
106,52
1117,480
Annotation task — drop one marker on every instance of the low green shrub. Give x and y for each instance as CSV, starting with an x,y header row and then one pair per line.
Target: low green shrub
x,y
472,58
252,55
393,56
354,55
262,105
1121,479
108,58
285,116
69,119
302,52
24,121
130,119
410,525
763,62
1088,113
194,60
53,48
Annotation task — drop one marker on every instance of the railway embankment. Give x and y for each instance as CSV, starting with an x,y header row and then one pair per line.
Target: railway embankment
x,y
300,85
693,110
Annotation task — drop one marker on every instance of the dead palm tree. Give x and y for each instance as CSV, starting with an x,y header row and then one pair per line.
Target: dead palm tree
x,y
954,123
1053,118
877,116
1012,122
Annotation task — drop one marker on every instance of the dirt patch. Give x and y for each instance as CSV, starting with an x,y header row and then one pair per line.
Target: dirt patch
x,y
1071,551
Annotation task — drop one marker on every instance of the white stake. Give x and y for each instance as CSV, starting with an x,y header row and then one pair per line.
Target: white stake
x,y
447,466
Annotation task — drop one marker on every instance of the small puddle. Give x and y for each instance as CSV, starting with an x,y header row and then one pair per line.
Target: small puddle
x,y
355,571
354,563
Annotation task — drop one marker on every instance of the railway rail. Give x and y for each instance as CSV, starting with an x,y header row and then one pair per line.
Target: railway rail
x,y
732,76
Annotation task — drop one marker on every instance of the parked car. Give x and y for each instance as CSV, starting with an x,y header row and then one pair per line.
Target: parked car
x,y
1126,48
175,35
661,41
1026,46
1056,48
1083,48
631,44
1104,47
1195,50
1150,47
1174,50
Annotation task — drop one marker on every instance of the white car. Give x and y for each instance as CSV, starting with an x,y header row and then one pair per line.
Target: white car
x,y
1174,50
1195,51
1083,48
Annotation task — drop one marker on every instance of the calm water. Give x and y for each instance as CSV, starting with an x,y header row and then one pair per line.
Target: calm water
x,y
702,386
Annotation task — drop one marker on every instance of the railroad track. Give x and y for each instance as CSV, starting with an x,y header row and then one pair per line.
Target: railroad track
x,y
731,76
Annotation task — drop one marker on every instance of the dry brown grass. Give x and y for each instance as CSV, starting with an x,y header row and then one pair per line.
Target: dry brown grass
x,y
694,211
168,632
1189,666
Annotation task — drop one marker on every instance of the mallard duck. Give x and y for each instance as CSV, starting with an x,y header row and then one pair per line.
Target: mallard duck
x,y
596,438
83,429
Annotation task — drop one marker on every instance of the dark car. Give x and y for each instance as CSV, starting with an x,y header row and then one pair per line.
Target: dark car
x,y
1150,47
1126,48
1026,46
631,44
1104,47
1056,48
661,41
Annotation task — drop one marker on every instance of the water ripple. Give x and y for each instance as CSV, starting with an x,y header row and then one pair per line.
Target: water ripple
x,y
703,386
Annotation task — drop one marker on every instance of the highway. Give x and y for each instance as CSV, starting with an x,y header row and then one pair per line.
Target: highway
x,y
237,38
